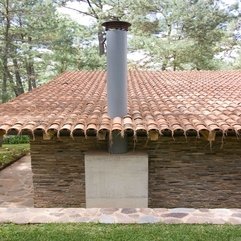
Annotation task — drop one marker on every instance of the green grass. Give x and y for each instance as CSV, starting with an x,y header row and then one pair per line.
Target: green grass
x,y
99,232
11,152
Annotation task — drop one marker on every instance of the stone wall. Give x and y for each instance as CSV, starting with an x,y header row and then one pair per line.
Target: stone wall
x,y
188,173
59,171
182,172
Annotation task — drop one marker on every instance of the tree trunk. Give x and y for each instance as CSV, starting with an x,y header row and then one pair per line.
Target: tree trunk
x,y
30,68
5,54
174,62
101,40
19,83
164,64
63,67
29,76
12,84
33,76
4,84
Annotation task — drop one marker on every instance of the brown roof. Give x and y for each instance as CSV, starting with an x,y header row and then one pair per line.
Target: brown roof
x,y
183,102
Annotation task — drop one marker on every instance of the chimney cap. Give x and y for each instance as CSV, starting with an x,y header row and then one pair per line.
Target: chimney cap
x,y
116,24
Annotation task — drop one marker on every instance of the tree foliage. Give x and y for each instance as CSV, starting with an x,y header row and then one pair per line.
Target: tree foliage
x,y
184,34
23,30
171,34
36,44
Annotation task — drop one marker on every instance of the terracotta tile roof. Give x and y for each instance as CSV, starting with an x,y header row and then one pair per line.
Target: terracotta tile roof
x,y
75,103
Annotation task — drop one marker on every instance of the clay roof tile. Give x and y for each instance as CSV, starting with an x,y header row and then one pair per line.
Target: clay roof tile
x,y
76,102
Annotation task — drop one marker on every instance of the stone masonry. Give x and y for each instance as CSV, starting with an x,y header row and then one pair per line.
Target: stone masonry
x,y
189,173
183,172
59,171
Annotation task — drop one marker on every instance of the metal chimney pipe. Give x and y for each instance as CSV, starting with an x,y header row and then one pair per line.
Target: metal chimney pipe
x,y
116,37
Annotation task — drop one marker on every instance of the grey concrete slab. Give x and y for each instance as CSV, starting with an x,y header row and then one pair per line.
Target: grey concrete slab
x,y
116,180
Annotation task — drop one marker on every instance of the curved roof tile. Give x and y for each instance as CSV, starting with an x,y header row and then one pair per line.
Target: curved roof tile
x,y
75,103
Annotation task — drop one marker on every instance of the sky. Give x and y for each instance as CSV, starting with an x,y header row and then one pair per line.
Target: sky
x,y
85,20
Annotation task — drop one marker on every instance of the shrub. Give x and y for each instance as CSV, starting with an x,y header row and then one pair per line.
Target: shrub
x,y
21,139
12,152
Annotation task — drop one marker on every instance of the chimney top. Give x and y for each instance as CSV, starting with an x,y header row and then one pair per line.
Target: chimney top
x,y
116,24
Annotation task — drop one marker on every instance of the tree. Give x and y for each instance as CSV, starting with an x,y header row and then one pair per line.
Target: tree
x,y
182,34
5,46
101,11
176,34
73,48
37,44
23,31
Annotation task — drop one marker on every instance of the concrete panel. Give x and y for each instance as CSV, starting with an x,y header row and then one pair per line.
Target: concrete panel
x,y
116,180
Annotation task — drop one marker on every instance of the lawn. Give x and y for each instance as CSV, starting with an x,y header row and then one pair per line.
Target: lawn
x,y
135,232
11,152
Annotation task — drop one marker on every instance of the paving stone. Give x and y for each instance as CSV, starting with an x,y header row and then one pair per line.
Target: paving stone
x,y
73,219
16,184
221,211
204,220
128,210
234,220
108,210
204,210
45,215
238,215
147,211
172,220
12,210
94,220
80,219
181,210
161,210
20,220
45,219
148,219
61,214
175,215
135,215
121,218
202,214
93,212
106,219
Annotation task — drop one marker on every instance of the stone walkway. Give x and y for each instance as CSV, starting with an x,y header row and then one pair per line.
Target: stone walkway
x,y
122,215
16,188
16,206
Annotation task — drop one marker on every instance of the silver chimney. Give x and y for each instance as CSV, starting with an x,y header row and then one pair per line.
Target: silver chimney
x,y
116,37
